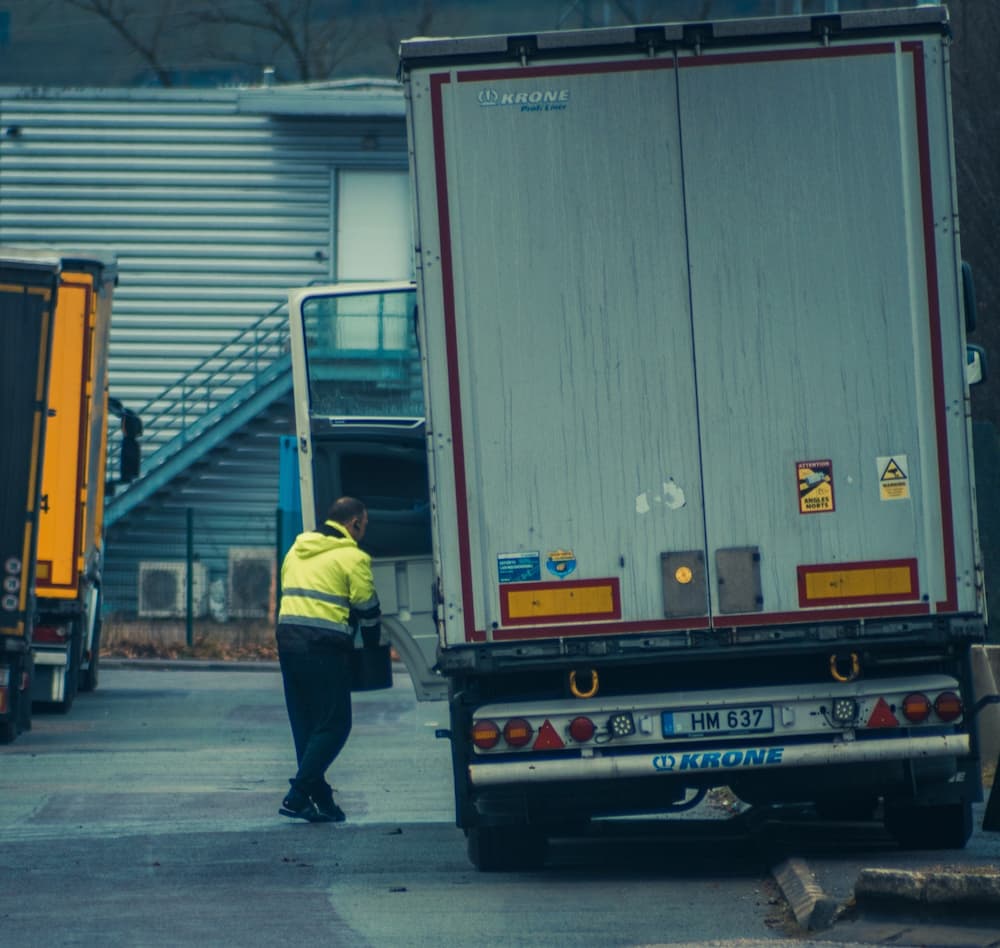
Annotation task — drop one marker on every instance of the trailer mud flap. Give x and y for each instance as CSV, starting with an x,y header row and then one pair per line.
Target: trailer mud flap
x,y
717,760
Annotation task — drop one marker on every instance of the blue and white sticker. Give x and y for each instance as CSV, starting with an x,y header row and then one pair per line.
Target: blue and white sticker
x,y
519,567
561,563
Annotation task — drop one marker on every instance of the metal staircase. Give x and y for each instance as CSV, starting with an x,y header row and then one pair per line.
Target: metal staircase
x,y
229,393
216,398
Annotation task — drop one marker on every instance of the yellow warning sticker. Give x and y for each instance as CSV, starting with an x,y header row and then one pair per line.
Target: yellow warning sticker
x,y
893,479
815,486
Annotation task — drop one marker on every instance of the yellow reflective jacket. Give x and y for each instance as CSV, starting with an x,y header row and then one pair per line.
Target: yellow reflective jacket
x,y
326,578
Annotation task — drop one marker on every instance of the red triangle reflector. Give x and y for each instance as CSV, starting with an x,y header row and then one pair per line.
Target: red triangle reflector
x,y
547,738
882,716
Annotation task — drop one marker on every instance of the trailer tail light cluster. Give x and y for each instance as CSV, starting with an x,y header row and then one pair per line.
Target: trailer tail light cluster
x,y
49,634
518,733
7,686
562,730
916,708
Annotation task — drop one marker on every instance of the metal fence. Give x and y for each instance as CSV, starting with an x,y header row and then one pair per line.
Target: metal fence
x,y
193,573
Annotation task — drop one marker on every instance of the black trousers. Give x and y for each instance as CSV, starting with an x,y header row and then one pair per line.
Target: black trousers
x,y
317,682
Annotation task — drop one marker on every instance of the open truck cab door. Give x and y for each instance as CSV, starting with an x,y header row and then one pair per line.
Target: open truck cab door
x,y
360,432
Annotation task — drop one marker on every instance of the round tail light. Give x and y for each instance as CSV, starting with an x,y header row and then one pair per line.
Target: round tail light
x,y
916,708
485,734
948,706
581,729
517,732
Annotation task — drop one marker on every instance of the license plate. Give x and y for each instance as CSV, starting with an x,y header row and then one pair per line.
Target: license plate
x,y
697,722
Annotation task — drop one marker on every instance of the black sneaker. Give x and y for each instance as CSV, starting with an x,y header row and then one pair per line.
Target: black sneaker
x,y
328,810
298,806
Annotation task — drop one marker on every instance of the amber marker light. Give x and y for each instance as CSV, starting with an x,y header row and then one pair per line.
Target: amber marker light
x,y
916,708
485,734
517,732
948,706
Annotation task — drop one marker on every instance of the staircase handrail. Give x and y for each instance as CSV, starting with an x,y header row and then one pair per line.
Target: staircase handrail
x,y
241,361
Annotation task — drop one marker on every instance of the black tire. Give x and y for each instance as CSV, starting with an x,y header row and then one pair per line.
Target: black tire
x,y
946,826
90,675
506,848
8,732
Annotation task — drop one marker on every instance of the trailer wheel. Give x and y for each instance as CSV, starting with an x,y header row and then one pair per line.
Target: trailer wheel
x,y
506,848
947,826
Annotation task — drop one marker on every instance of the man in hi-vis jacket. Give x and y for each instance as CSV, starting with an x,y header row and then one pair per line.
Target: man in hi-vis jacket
x,y
326,584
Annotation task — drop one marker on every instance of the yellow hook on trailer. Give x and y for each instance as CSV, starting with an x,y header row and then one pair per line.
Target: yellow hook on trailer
x,y
854,672
575,689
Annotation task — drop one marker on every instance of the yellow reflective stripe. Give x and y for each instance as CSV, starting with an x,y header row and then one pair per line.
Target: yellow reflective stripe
x,y
314,622
321,596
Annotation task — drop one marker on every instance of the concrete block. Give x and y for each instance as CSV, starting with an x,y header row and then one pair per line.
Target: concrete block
x,y
814,911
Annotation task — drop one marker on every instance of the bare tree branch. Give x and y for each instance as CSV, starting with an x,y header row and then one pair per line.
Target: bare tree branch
x,y
394,27
304,39
315,40
123,17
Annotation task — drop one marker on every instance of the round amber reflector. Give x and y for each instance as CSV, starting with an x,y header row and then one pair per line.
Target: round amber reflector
x,y
916,708
517,732
948,706
485,734
581,729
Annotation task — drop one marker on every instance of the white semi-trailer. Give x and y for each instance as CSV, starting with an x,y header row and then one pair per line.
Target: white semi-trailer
x,y
693,337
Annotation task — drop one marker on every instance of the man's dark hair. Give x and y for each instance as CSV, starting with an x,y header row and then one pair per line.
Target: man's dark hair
x,y
345,509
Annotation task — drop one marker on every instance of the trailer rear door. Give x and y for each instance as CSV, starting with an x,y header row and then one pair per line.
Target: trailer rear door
x,y
700,362
829,346
28,282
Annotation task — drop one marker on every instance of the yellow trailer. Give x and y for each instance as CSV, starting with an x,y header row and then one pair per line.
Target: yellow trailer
x,y
66,638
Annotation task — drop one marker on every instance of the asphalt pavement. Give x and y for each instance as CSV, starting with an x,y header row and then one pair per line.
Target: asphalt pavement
x,y
854,887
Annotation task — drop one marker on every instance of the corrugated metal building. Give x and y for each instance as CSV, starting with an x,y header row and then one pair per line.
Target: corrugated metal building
x,y
215,202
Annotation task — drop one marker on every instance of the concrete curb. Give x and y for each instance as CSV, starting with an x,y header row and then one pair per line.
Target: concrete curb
x,y
203,664
938,888
878,890
187,664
